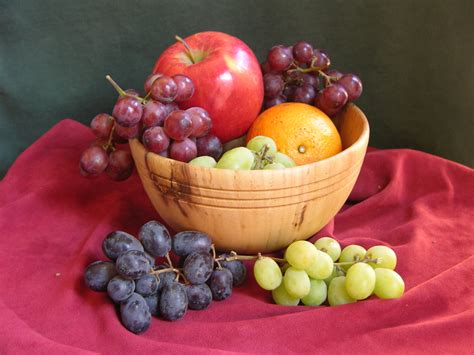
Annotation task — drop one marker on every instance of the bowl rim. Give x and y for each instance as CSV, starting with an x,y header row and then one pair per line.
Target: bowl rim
x,y
364,137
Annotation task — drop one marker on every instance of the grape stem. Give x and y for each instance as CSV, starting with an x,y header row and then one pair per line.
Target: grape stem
x,y
189,52
213,248
168,259
109,145
365,260
121,91
234,256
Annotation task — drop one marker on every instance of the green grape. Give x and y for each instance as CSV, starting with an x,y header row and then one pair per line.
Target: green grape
x,y
360,281
204,161
296,282
337,293
274,166
239,158
335,273
283,159
317,293
351,253
386,257
267,273
388,284
301,254
329,246
281,297
322,266
256,144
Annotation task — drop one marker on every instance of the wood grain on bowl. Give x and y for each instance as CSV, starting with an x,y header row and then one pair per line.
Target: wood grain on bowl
x,y
255,211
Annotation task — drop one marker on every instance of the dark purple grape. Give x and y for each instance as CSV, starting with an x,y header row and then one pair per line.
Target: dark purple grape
x,y
102,125
94,161
116,243
164,89
288,93
320,59
201,121
132,264
237,268
178,125
334,74
199,296
185,87
164,278
183,150
280,58
273,85
352,84
155,139
303,52
150,258
164,153
155,238
265,66
98,275
198,267
154,114
171,106
187,242
153,302
119,289
173,301
311,79
128,111
135,314
220,284
126,133
209,145
273,102
120,165
331,99
150,79
304,94
146,285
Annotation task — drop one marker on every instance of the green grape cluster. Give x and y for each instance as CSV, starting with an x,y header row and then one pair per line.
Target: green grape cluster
x,y
314,274
259,154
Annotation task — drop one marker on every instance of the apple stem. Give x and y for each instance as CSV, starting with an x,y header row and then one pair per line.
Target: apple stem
x,y
189,52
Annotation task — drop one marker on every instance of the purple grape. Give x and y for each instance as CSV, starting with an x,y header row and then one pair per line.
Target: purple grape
x,y
303,52
273,85
273,102
117,242
178,125
280,58
149,81
199,296
93,162
120,165
288,93
183,150
153,303
333,73
155,238
135,314
128,111
237,268
146,285
209,145
187,242
265,66
155,139
150,258
132,264
164,89
331,99
98,274
198,267
171,106
201,121
220,284
311,79
352,84
320,59
164,153
185,87
154,114
164,278
119,289
102,125
304,94
125,133
173,301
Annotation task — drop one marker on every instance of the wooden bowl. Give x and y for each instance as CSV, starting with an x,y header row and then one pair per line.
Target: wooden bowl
x,y
257,210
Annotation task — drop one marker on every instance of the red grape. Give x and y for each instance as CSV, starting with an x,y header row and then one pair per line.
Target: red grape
x,y
352,84
320,59
120,165
273,85
178,125
154,114
164,89
93,161
303,52
331,99
305,94
164,153
171,106
333,73
202,122
280,58
312,80
149,82
288,93
128,111
184,150
127,132
185,87
266,68
209,145
155,140
294,75
273,102
102,125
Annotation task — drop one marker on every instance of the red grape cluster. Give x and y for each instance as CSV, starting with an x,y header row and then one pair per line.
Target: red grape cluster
x,y
157,120
301,73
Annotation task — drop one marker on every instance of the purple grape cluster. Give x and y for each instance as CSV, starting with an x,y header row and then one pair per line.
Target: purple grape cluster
x,y
300,73
156,120
141,279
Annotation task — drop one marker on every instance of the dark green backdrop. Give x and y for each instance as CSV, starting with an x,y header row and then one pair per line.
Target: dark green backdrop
x,y
414,57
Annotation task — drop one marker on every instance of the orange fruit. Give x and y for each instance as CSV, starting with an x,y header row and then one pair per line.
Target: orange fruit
x,y
301,131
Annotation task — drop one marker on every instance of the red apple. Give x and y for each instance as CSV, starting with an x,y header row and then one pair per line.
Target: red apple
x,y
227,78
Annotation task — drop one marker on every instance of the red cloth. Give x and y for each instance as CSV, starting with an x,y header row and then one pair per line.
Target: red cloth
x,y
52,223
